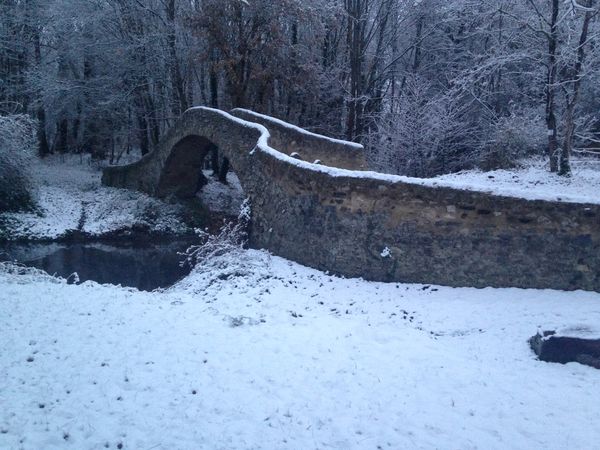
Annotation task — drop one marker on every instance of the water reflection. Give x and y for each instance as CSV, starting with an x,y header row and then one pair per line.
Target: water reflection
x,y
146,266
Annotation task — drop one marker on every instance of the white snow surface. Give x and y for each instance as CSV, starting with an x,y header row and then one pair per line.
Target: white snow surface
x,y
533,181
299,130
578,331
70,197
258,352
223,198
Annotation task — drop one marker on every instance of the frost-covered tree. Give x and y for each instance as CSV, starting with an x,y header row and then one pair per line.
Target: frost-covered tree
x,y
17,148
506,65
111,76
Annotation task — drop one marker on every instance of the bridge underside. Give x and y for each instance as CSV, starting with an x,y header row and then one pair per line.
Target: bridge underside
x,y
182,173
313,202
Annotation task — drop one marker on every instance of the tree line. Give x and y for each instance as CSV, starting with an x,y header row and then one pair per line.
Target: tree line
x,y
429,86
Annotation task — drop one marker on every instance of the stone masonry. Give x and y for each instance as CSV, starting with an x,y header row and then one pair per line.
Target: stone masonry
x,y
361,224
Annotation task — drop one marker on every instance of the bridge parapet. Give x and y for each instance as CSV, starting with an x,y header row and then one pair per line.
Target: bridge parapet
x,y
309,147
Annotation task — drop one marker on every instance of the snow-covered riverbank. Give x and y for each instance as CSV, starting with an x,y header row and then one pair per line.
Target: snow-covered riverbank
x,y
259,352
70,198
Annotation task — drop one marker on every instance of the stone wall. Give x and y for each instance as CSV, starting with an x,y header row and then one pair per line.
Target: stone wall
x,y
385,228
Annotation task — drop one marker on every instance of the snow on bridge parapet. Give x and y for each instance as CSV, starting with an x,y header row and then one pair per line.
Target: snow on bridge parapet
x,y
310,147
343,220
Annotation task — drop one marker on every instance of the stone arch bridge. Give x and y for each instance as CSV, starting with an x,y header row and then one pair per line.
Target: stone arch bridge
x,y
314,201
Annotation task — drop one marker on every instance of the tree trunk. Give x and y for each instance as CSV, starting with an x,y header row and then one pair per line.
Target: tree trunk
x,y
223,171
214,86
43,147
354,11
550,89
143,134
214,160
179,103
565,153
62,135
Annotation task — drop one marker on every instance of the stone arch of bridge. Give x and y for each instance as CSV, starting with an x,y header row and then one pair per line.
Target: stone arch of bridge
x,y
182,172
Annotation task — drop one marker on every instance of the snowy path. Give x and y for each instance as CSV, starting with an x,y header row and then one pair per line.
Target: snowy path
x,y
288,357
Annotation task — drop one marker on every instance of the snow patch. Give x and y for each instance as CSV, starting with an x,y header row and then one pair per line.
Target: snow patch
x,y
300,130
534,181
220,197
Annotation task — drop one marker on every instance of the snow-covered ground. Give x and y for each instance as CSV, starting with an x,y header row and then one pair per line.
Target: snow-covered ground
x,y
534,181
70,197
222,198
253,351
258,352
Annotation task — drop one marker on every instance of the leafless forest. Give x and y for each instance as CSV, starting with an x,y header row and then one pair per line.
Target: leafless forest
x,y
429,86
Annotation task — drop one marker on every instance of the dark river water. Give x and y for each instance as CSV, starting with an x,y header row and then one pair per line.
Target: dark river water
x,y
145,265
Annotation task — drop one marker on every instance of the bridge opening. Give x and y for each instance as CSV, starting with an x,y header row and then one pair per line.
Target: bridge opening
x,y
196,169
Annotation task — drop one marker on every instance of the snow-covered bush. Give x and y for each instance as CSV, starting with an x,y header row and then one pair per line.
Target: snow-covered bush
x,y
17,148
231,237
221,258
512,139
429,135
119,209
425,134
26,274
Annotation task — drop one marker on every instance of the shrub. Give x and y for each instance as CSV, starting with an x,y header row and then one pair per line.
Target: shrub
x,y
426,135
511,139
231,238
17,148
221,260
